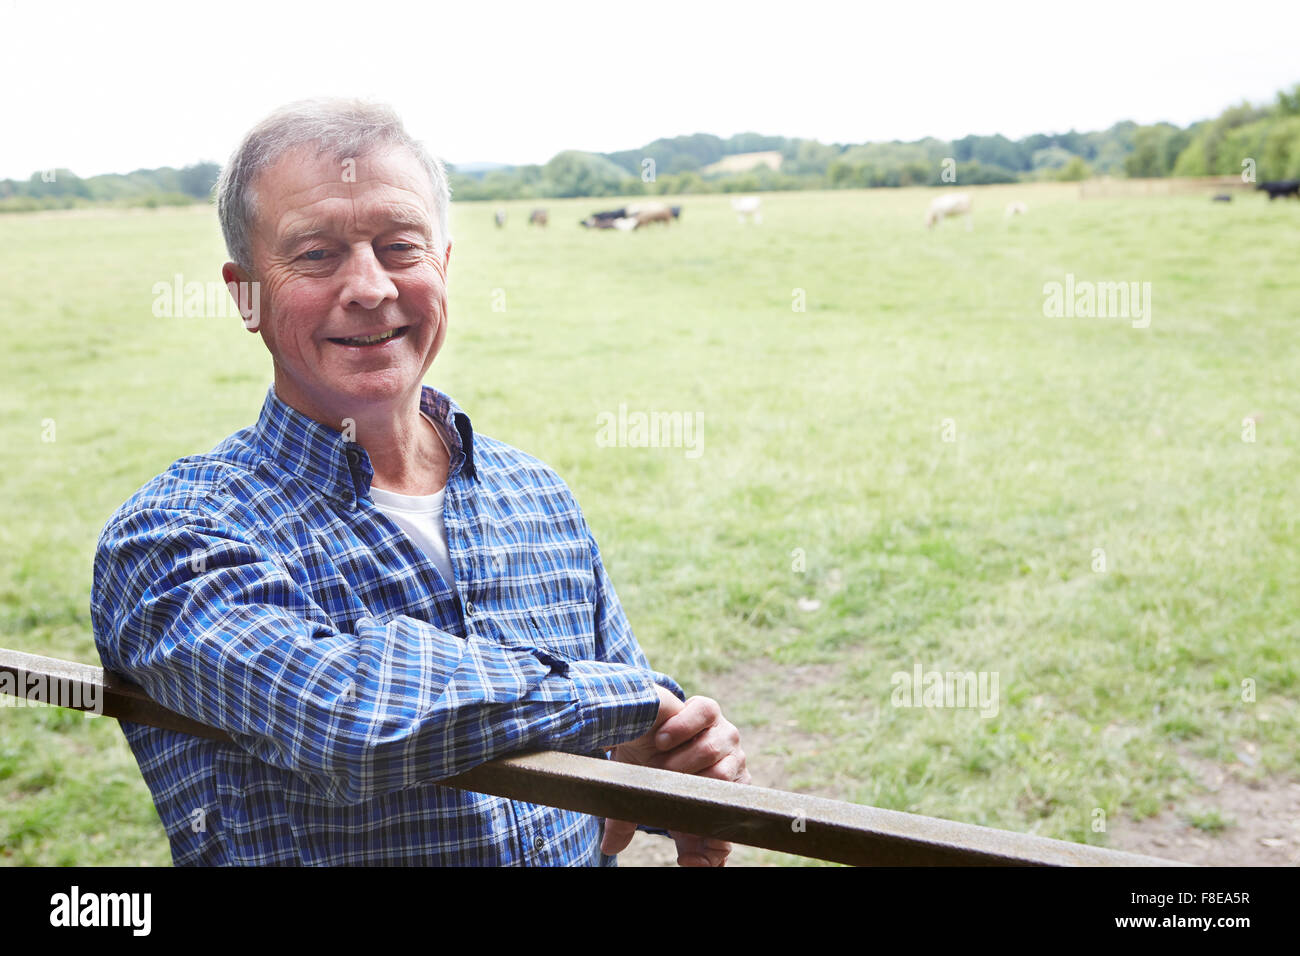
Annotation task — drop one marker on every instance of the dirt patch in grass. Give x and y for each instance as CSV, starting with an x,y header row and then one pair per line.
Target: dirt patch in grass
x,y
766,748
1228,819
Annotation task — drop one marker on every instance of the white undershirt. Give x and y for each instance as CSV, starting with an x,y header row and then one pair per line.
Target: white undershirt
x,y
420,516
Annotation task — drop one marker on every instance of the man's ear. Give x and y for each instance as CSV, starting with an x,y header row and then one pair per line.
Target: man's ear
x,y
245,292
446,258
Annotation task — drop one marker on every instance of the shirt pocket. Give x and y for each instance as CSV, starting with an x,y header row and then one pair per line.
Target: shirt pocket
x,y
566,630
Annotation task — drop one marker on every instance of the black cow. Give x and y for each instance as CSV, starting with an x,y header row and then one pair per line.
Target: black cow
x,y
604,220
1281,187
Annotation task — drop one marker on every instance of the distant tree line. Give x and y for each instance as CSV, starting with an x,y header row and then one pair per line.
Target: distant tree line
x,y
1269,136
62,188
1265,137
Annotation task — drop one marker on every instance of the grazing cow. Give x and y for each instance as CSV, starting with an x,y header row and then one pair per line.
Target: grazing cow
x,y
648,212
538,217
609,215
499,217
945,206
1281,187
638,209
1015,209
631,217
607,222
1222,197
645,216
748,206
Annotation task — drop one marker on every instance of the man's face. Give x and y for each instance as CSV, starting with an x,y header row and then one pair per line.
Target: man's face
x,y
345,252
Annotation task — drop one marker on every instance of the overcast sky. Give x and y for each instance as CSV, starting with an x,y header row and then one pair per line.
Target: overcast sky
x,y
111,87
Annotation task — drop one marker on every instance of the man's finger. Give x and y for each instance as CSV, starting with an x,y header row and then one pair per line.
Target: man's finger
x,y
703,752
698,851
618,834
699,844
730,768
699,713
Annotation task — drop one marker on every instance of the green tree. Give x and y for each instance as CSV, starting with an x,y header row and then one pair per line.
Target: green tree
x,y
1288,104
575,173
1191,161
1074,171
198,180
1155,150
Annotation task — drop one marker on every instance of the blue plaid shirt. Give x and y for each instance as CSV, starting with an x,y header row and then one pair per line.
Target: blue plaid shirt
x,y
258,589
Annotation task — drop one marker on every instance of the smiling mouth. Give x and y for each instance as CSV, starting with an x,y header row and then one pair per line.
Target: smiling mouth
x,y
364,341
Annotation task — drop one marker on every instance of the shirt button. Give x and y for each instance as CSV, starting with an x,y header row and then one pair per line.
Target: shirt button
x,y
538,843
354,457
469,607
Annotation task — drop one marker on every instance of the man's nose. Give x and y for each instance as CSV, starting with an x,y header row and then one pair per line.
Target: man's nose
x,y
366,284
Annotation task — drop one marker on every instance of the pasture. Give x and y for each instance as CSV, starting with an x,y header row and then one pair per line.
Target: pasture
x,y
901,461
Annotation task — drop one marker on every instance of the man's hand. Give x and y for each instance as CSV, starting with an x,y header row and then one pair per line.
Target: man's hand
x,y
689,738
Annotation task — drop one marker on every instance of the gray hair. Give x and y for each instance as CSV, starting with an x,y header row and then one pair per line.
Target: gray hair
x,y
346,128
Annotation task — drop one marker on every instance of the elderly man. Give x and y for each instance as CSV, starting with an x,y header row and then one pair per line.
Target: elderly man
x,y
363,592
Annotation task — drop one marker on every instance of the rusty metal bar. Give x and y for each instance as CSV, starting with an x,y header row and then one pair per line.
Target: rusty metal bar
x,y
755,816
76,686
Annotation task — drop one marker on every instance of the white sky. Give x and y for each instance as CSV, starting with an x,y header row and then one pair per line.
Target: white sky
x,y
110,87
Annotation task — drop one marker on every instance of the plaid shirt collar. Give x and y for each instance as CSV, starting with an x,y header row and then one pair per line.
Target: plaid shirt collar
x,y
341,469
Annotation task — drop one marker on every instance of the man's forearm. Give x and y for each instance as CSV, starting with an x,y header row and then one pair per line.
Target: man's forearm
x,y
233,642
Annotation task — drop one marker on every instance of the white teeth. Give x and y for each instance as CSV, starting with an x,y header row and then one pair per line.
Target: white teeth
x,y
370,339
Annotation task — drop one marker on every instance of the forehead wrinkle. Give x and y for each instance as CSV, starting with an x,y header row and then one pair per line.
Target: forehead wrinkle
x,y
383,215
312,229
405,214
376,202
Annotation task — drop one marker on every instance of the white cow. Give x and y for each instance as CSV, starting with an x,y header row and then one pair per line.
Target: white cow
x,y
957,204
1015,209
748,206
644,208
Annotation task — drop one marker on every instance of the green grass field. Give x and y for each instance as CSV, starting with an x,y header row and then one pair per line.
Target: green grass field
x,y
941,460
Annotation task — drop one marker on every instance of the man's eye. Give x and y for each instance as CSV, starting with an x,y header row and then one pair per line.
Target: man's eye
x,y
314,255
402,246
